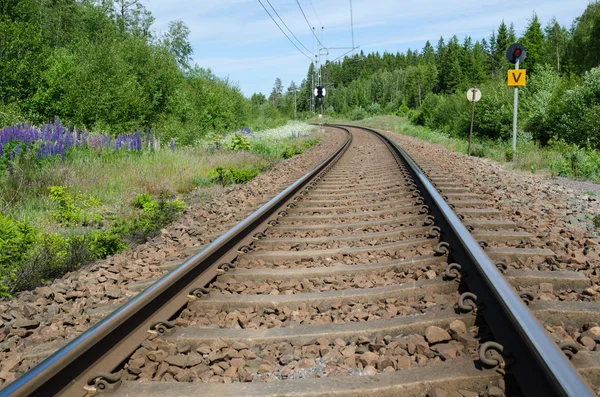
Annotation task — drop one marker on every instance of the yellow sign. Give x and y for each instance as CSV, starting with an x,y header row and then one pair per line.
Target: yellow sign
x,y
516,78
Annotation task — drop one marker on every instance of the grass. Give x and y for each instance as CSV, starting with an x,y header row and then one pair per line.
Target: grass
x,y
556,159
96,202
116,180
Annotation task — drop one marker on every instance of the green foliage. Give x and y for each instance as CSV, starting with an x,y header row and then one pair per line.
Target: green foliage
x,y
15,241
78,209
230,176
358,114
155,212
239,142
310,142
105,243
596,221
291,151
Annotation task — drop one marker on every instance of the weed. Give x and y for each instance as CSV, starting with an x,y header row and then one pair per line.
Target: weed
x,y
290,152
156,213
74,209
239,142
232,176
596,221
590,193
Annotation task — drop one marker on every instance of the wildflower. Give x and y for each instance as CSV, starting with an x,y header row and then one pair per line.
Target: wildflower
x,y
172,145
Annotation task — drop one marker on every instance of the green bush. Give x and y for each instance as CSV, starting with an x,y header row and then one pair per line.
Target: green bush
x,y
231,176
156,213
74,209
358,114
16,239
290,152
239,142
105,243
310,142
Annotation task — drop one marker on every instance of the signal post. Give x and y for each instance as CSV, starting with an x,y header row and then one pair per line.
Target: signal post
x,y
516,54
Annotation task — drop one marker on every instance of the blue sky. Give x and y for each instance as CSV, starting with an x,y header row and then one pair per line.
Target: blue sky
x,y
237,39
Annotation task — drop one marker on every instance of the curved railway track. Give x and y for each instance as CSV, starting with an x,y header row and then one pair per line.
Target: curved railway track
x,y
359,279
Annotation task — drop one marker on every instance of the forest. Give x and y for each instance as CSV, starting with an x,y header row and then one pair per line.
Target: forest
x,y
561,101
98,65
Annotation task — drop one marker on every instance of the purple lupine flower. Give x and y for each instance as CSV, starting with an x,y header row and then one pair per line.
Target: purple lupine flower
x,y
172,145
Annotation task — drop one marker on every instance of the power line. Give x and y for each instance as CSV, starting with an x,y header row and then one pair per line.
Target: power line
x,y
345,53
315,11
311,59
312,29
284,24
352,24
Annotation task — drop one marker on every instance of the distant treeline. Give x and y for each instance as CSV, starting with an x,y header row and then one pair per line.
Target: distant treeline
x,y
97,64
561,100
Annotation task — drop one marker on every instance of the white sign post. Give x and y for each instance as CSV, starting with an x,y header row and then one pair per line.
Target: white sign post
x,y
473,95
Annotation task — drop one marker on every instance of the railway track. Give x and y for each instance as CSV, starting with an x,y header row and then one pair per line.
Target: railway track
x,y
358,279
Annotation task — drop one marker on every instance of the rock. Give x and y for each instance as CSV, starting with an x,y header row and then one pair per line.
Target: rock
x,y
437,392
587,342
194,359
458,327
113,292
430,274
494,391
157,355
546,287
369,370
435,334
25,324
178,361
596,332
404,362
368,358
467,393
238,362
238,346
448,350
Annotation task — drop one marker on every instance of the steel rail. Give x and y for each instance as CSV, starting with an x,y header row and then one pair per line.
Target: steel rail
x,y
538,365
86,363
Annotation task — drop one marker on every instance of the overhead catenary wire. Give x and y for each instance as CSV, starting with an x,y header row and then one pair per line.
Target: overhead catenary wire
x,y
312,29
282,31
345,53
315,11
284,24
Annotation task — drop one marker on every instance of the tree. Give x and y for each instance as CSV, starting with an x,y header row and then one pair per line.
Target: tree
x,y
277,93
533,40
555,45
499,64
176,41
586,39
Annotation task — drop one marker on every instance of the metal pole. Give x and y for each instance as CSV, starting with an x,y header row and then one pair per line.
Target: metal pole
x,y
472,120
516,107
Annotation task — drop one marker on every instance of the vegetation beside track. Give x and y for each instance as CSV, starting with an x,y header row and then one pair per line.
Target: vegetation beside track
x,y
556,159
60,211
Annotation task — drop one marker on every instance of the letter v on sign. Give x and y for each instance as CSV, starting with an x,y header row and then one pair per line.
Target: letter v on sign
x,y
516,78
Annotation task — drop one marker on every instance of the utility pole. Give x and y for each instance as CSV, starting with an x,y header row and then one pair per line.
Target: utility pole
x,y
516,107
295,111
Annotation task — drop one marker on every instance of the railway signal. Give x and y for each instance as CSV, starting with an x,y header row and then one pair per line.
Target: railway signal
x,y
320,92
516,53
